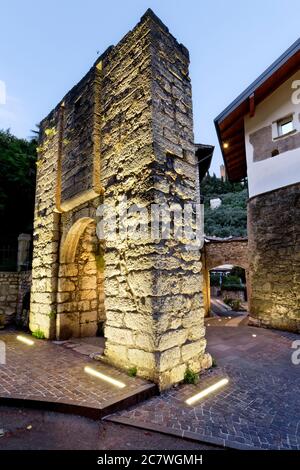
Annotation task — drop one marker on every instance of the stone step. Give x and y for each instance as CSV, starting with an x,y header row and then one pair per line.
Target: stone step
x,y
48,376
120,403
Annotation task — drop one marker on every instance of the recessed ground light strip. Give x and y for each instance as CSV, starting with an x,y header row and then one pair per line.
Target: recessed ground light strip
x,y
104,377
25,340
206,391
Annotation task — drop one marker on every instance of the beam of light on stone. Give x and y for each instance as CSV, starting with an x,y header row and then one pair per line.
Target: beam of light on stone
x,y
24,340
104,377
206,391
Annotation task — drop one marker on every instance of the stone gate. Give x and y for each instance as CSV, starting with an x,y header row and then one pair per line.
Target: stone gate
x,y
125,129
218,251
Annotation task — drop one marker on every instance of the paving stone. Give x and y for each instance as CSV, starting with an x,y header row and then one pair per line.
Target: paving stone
x,y
51,372
258,409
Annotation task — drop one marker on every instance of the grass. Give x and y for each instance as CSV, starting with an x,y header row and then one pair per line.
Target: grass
x,y
190,377
132,371
38,334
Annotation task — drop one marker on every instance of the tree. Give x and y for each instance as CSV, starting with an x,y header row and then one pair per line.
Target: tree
x,y
230,219
17,184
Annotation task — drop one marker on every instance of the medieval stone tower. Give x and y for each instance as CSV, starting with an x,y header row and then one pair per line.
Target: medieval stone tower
x,y
125,129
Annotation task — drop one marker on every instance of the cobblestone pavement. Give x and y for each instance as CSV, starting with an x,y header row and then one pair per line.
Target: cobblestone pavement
x,y
259,408
49,372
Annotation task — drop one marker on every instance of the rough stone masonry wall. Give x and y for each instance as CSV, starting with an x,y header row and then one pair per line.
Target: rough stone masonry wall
x,y
9,284
13,288
135,104
274,252
234,251
46,235
22,316
177,300
152,288
126,170
65,192
80,302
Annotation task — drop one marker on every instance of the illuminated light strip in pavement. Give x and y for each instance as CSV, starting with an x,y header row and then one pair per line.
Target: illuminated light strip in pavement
x,y
104,377
206,391
24,340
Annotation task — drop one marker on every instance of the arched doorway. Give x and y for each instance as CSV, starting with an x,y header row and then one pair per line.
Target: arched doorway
x,y
223,252
80,296
228,290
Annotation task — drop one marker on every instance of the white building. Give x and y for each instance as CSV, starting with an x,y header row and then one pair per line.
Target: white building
x,y
259,134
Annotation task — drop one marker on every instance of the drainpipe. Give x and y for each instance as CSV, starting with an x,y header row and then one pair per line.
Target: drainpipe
x,y
58,210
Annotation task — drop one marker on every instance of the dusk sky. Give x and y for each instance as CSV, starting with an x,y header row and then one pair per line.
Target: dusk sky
x,y
46,47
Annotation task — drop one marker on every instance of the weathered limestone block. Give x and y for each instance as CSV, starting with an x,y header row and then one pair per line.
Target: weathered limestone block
x,y
172,376
88,317
145,341
65,285
116,319
121,304
196,332
168,358
190,350
138,322
88,329
69,270
119,335
87,294
172,338
117,354
84,306
88,282
192,319
144,360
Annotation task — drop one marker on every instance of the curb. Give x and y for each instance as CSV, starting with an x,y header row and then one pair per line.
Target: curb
x,y
189,435
111,406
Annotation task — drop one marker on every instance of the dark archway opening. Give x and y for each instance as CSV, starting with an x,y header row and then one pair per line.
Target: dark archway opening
x,y
228,290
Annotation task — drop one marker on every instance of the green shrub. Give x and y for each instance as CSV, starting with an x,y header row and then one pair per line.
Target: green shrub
x,y
214,280
38,334
236,304
52,315
232,280
233,287
214,362
190,377
227,301
231,217
100,263
132,371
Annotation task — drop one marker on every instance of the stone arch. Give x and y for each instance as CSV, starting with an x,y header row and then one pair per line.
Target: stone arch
x,y
227,251
69,246
80,296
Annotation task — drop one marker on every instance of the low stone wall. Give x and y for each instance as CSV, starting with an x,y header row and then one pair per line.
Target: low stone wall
x,y
23,302
13,288
233,294
9,284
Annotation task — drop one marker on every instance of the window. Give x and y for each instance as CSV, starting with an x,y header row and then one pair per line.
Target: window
x,y
285,126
